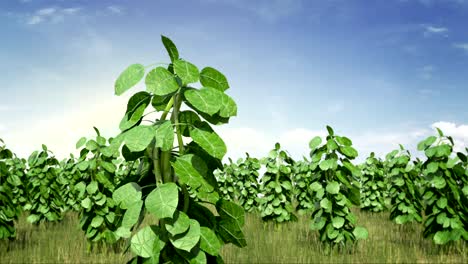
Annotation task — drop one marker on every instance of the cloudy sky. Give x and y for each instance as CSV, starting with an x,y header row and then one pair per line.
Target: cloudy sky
x,y
381,72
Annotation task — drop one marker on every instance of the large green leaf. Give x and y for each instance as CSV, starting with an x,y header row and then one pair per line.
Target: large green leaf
x,y
127,194
188,240
132,214
227,209
165,136
129,78
135,108
138,138
209,141
186,71
228,106
143,243
207,100
192,171
161,82
162,202
209,242
178,224
211,77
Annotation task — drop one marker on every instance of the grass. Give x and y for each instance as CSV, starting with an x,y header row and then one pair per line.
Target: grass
x,y
291,243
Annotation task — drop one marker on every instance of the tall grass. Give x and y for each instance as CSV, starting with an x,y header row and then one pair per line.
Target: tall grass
x,y
289,243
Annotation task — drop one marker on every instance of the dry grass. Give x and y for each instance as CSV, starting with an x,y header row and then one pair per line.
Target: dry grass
x,y
291,243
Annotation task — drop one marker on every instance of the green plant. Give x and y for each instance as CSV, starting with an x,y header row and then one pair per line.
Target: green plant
x,y
336,190
406,198
189,228
239,182
100,218
374,190
45,202
276,187
303,178
9,208
446,204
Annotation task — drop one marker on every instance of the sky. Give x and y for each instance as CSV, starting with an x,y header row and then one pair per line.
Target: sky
x,y
381,72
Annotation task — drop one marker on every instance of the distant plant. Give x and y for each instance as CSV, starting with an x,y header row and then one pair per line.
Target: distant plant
x,y
9,208
336,190
447,205
45,202
374,182
192,226
100,218
239,182
406,198
276,203
303,177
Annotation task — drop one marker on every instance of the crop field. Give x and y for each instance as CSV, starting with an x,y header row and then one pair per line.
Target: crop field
x,y
293,243
159,192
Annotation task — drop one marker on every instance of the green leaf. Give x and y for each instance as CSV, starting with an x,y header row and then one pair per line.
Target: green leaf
x,y
161,82
162,202
188,240
228,106
330,131
170,47
349,152
165,136
129,78
209,242
127,194
135,109
232,210
92,187
423,145
442,237
97,221
192,171
338,222
333,187
178,224
326,204
187,120
138,138
442,202
328,164
143,243
360,233
132,214
211,77
81,142
206,100
209,141
186,71
86,203
315,142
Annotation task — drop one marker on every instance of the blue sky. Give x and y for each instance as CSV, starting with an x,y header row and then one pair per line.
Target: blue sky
x,y
381,72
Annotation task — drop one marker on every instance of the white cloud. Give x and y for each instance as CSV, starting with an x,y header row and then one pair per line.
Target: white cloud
x,y
434,30
115,9
459,133
51,14
462,46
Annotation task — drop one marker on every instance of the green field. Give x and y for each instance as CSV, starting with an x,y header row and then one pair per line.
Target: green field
x,y
290,243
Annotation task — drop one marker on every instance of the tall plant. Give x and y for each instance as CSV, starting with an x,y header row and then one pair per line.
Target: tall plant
x,y
45,202
406,197
374,190
188,229
336,190
447,205
9,210
276,187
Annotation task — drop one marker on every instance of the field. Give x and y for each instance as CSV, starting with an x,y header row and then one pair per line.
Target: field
x,y
291,243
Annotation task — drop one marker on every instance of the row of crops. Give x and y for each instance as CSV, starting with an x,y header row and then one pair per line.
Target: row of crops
x,y
169,172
